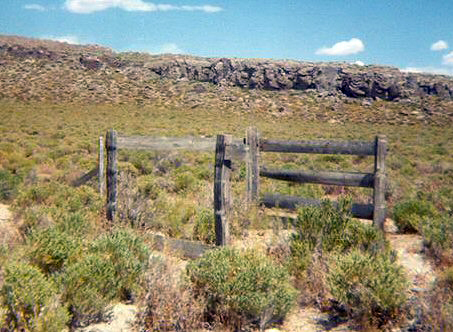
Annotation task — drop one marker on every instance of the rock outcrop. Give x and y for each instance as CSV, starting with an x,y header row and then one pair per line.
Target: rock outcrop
x,y
332,78
100,69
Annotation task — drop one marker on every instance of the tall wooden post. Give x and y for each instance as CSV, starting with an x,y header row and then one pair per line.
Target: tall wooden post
x,y
252,162
222,189
101,167
379,182
112,174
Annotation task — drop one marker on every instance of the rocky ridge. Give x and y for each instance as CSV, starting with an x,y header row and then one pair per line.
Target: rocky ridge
x,y
39,70
332,78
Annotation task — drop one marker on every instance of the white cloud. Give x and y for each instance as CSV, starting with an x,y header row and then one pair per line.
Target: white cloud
x,y
91,6
64,39
166,48
359,63
34,6
448,59
171,48
439,45
352,46
428,70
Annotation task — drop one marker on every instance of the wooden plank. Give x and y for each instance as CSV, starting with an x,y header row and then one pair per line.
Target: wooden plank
x,y
363,211
252,164
208,144
354,179
85,178
112,174
379,183
166,143
321,147
101,174
189,249
222,189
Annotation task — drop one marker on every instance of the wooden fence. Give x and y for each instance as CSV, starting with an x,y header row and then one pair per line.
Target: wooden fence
x,y
249,149
375,180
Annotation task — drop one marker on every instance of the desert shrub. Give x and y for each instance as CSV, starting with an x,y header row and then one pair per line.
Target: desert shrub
x,y
170,303
30,301
327,229
8,185
204,228
184,181
133,206
242,287
408,214
129,256
51,248
34,217
372,288
61,197
437,235
175,215
88,286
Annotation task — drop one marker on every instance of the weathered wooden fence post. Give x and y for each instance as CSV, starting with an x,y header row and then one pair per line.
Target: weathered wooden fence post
x,y
379,182
101,167
252,162
112,173
222,189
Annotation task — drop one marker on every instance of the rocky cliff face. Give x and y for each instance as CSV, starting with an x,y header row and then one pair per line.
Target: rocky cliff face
x,y
330,78
326,79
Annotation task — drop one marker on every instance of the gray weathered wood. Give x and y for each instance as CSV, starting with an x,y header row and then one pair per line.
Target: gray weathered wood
x,y
112,174
363,211
252,164
222,189
189,249
101,176
321,147
178,143
379,183
85,178
353,179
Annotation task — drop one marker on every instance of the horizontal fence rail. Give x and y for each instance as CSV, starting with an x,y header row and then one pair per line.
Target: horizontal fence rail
x,y
207,144
363,211
86,177
353,179
321,147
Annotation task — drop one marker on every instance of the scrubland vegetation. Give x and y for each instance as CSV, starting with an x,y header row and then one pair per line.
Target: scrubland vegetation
x,y
64,264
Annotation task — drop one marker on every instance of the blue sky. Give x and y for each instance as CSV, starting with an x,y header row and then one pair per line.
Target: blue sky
x,y
408,34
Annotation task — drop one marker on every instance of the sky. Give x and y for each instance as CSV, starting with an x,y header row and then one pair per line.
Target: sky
x,y
412,35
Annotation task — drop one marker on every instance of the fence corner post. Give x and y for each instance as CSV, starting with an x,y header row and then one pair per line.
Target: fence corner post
x,y
222,189
101,179
112,174
379,206
252,163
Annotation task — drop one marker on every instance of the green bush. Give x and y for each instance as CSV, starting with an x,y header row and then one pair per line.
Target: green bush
x,y
184,181
408,214
242,287
51,248
328,229
30,301
88,287
437,235
61,197
8,185
204,228
371,287
129,256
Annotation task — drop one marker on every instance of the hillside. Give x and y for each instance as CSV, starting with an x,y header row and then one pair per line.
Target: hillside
x,y
39,70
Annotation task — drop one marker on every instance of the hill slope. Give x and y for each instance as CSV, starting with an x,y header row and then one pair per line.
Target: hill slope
x,y
32,69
